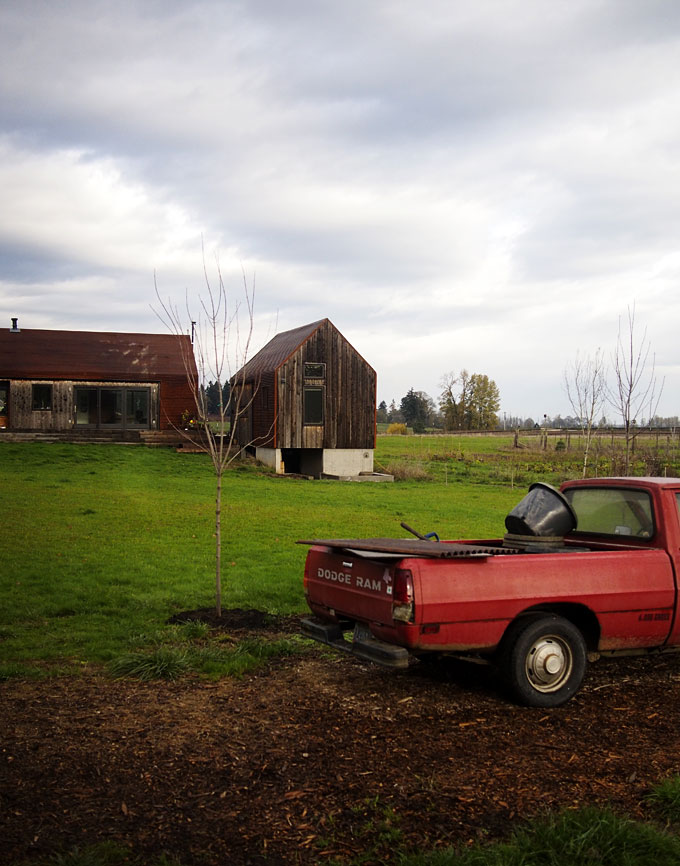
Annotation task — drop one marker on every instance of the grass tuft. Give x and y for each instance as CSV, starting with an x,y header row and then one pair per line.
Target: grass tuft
x,y
104,854
213,660
166,663
588,837
11,671
194,629
665,799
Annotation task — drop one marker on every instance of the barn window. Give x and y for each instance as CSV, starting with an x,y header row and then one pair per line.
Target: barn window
x,y
315,371
42,397
313,405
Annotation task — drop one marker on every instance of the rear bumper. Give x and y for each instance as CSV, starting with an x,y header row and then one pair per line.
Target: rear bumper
x,y
370,649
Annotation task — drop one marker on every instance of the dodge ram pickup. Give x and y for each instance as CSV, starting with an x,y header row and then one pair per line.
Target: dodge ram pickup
x,y
587,570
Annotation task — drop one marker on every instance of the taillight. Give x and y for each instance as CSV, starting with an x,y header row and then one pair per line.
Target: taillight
x,y
402,595
403,586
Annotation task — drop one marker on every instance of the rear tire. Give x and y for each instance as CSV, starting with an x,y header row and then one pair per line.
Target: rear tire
x,y
543,660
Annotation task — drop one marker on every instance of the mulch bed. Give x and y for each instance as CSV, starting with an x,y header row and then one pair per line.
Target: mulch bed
x,y
319,757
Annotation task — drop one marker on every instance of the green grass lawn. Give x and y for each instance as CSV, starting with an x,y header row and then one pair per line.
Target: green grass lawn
x,y
105,542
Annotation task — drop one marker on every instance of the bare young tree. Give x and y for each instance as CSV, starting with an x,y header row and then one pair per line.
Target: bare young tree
x,y
222,335
585,384
635,389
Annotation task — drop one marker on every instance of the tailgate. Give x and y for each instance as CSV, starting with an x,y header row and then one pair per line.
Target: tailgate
x,y
340,585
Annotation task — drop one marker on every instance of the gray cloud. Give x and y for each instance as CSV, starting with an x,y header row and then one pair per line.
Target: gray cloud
x,y
454,184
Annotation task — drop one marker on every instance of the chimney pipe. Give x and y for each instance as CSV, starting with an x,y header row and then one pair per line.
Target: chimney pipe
x,y
15,327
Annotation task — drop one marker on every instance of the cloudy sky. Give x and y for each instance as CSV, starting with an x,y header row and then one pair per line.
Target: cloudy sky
x,y
484,184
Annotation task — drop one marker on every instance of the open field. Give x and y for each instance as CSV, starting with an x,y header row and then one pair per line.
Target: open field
x,y
504,460
309,758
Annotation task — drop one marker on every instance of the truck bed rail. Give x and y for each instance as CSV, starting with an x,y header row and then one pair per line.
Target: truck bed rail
x,y
415,547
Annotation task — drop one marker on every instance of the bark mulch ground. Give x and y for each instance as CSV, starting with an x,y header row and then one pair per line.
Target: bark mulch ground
x,y
319,757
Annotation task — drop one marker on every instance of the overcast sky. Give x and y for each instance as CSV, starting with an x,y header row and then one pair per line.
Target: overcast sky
x,y
485,184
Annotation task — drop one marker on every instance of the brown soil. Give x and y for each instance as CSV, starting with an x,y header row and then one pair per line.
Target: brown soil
x,y
320,757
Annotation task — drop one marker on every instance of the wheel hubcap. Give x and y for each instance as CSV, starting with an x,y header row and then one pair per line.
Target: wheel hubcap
x,y
549,663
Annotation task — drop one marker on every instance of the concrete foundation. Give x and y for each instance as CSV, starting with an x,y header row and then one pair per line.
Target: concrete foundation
x,y
271,457
347,461
318,462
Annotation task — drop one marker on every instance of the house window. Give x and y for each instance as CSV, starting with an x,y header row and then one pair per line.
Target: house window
x,y
313,405
42,397
86,406
113,407
315,371
137,408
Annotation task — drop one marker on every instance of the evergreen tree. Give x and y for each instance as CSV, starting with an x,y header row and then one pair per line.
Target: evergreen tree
x,y
416,409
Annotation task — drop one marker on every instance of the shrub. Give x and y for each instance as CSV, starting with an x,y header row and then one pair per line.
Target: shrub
x,y
398,429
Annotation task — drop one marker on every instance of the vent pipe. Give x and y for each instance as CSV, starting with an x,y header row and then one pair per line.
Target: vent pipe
x,y
15,326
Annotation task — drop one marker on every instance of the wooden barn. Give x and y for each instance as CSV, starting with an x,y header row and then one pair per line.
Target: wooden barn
x,y
85,380
311,402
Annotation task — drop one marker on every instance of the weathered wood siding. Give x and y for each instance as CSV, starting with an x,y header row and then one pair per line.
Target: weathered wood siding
x,y
260,427
349,395
61,417
23,417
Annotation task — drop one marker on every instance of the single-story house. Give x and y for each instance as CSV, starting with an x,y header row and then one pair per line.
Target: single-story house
x,y
87,380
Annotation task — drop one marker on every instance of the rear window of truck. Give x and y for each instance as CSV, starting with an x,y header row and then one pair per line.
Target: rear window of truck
x,y
612,511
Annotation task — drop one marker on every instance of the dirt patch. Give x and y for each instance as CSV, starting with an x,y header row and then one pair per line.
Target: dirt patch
x,y
319,757
239,619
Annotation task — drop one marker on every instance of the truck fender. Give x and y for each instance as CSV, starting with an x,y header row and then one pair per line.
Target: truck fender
x,y
582,617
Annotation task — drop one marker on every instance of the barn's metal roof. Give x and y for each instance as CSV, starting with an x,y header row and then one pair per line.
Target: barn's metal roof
x,y
45,354
277,350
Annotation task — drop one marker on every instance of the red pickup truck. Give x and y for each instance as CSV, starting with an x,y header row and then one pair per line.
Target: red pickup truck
x,y
589,570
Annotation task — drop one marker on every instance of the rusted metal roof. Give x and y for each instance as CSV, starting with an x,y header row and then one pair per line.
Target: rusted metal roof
x,y
87,355
415,547
277,350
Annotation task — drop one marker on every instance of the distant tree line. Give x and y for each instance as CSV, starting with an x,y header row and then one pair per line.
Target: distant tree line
x,y
210,397
468,401
427,417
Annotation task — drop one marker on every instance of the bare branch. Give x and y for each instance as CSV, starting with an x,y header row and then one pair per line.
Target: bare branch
x,y
635,383
218,334
585,384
